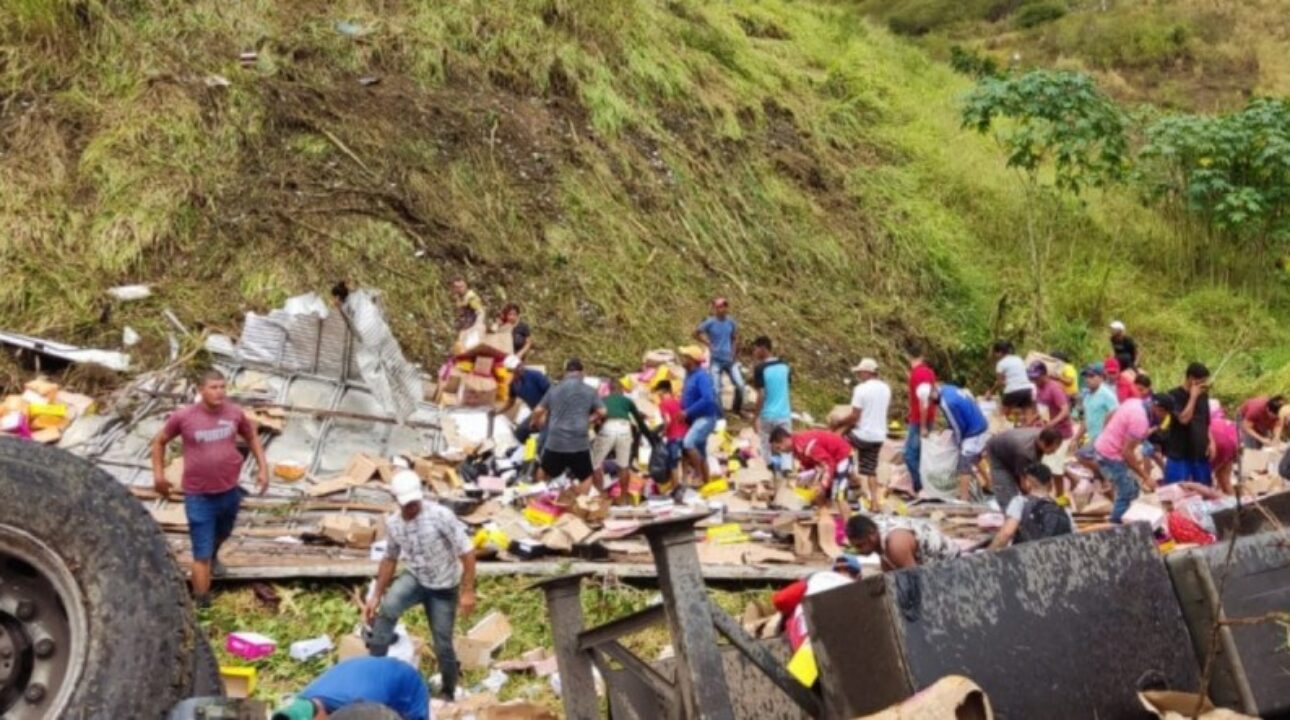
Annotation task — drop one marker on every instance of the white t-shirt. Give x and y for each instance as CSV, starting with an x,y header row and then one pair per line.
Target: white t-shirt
x,y
872,397
1013,370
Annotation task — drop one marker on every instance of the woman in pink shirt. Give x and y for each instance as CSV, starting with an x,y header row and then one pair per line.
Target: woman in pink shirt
x,y
1223,433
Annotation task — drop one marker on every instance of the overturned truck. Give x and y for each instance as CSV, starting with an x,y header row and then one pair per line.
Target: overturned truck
x,y
1070,627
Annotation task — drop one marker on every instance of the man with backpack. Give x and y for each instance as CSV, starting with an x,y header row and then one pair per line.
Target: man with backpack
x,y
1034,515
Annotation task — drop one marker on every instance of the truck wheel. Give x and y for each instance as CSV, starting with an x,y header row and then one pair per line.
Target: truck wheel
x,y
95,619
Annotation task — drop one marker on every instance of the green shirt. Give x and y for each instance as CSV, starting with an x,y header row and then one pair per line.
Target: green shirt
x,y
621,407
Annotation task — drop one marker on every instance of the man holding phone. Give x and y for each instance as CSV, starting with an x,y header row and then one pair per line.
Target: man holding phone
x,y
1188,447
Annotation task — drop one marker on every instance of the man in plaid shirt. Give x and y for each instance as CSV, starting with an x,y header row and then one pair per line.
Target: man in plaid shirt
x,y
439,573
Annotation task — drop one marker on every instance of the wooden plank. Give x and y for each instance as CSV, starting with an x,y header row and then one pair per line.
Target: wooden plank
x,y
240,568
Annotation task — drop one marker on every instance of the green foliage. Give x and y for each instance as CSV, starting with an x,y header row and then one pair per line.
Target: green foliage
x,y
973,63
1232,170
1139,37
1039,13
1057,117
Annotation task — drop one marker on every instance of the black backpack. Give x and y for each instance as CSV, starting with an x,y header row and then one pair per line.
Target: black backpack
x,y
1042,518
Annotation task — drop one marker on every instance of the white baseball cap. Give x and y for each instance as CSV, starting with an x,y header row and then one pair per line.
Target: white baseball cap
x,y
511,362
1117,326
406,486
866,365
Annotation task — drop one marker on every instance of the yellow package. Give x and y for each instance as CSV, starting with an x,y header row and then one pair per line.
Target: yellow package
x,y
726,534
714,487
50,409
802,665
530,449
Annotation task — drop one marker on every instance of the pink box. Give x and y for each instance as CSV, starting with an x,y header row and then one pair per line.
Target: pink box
x,y
249,645
489,483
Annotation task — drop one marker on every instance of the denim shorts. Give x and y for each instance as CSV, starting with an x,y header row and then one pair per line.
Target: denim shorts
x,y
211,519
696,438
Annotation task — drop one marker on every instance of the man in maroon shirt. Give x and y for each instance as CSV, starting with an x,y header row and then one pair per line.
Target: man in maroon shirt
x,y
920,373
1261,421
212,464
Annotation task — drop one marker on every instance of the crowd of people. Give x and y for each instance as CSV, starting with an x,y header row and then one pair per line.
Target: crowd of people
x,y
1104,416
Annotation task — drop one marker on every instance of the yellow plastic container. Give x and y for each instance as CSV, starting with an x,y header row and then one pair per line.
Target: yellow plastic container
x,y
726,534
58,410
714,487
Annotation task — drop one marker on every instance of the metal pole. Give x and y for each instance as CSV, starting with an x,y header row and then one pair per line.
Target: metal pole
x,y
564,610
700,670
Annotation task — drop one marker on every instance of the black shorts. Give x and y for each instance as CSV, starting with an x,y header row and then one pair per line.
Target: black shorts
x,y
867,454
578,464
1019,399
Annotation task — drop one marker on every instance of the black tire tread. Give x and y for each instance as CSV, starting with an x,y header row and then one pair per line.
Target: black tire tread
x,y
143,645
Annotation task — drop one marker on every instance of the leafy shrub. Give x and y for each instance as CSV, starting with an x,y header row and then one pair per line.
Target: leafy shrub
x,y
973,63
1036,14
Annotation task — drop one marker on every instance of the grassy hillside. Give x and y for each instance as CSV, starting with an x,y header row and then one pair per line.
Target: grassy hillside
x,y
609,165
1205,55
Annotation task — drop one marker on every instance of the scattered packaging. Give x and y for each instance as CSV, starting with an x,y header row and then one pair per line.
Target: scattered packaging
x,y
356,531
305,649
475,650
250,645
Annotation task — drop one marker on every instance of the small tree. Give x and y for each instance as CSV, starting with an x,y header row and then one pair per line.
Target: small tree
x,y
1053,120
1231,172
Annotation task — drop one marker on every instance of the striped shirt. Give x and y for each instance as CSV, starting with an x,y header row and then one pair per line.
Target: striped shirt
x,y
430,545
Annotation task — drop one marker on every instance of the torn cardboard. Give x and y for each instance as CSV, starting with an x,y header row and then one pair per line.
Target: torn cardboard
x,y
475,650
356,531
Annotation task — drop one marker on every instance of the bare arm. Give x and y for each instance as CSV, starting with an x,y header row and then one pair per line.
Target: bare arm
x,y
702,337
1131,459
467,599
1248,427
384,575
1006,533
257,450
1189,411
538,418
1061,416
159,481
848,422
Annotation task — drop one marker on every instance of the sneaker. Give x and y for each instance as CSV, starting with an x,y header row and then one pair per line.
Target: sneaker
x,y
203,601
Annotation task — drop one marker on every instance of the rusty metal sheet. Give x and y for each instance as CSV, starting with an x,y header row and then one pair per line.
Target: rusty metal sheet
x,y
1252,670
1063,628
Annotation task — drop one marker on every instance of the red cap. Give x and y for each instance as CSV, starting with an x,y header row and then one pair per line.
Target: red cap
x,y
1112,365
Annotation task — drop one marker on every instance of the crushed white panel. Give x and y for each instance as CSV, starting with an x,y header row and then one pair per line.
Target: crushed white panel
x,y
394,382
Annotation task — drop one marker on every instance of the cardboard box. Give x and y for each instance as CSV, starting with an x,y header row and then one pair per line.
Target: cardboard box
x,y
478,391
475,650
43,387
239,682
483,366
47,436
356,531
250,645
350,646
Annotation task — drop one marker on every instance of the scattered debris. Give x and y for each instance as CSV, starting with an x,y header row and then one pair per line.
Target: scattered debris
x,y
475,650
120,362
250,645
304,649
126,293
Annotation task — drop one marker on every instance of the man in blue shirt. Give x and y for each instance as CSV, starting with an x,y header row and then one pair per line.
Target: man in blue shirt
x,y
718,333
970,427
379,680
771,378
699,404
529,387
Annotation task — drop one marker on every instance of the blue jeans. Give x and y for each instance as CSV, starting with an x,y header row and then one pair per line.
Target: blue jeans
x,y
210,520
441,610
728,367
1126,488
913,445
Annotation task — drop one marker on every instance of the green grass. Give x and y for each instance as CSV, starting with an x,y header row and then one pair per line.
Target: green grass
x,y
309,610
610,166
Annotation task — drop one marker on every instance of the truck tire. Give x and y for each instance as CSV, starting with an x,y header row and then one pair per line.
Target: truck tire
x,y
92,604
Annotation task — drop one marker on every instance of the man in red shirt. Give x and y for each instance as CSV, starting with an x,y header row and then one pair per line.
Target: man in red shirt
x,y
920,373
1261,421
212,464
827,451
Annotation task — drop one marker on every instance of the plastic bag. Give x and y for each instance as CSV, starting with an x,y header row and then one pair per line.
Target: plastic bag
x,y
938,464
